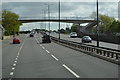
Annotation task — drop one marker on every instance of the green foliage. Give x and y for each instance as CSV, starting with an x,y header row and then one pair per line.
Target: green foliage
x,y
10,22
106,22
74,27
115,27
63,31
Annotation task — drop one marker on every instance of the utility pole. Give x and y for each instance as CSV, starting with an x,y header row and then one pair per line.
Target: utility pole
x,y
45,19
59,19
49,15
97,26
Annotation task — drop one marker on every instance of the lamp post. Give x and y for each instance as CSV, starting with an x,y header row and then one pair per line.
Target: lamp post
x,y
59,19
49,15
44,16
97,26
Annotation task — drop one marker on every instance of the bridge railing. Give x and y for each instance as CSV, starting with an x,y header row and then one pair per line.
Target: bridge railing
x,y
106,54
56,18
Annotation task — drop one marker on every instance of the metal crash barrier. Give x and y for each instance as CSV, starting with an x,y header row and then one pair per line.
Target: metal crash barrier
x,y
103,53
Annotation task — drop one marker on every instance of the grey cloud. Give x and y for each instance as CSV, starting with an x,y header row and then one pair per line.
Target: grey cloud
x,y
34,9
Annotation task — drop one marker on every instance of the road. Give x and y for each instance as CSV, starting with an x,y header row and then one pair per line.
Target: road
x,y
33,59
102,44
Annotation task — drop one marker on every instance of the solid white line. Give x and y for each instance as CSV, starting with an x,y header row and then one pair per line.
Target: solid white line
x,y
54,57
71,71
11,73
47,51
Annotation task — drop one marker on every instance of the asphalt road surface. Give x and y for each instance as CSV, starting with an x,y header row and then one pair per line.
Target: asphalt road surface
x,y
102,44
33,59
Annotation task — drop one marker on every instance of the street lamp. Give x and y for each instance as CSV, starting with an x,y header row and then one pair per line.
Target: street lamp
x,y
97,26
44,16
49,15
59,19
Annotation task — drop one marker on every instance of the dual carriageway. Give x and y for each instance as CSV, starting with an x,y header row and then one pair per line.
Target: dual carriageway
x,y
33,59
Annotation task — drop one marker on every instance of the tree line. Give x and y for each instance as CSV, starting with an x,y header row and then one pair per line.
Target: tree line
x,y
107,24
10,22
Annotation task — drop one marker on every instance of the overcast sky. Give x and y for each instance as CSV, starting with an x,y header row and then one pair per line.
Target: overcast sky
x,y
68,9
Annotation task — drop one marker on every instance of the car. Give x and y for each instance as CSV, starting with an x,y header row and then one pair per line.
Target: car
x,y
46,38
16,41
86,39
31,35
73,35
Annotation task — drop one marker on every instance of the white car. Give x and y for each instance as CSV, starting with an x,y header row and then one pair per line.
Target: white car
x,y
73,35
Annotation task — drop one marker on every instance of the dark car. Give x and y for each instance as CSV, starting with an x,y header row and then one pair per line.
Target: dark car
x,y
31,34
46,39
86,39
16,41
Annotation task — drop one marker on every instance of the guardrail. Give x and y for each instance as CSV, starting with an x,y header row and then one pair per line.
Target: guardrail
x,y
106,54
55,18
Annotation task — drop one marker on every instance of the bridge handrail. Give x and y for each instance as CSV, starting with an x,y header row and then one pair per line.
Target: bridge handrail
x,y
104,53
51,18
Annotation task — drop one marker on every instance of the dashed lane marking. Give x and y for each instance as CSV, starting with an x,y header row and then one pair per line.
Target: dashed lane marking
x,y
15,61
11,73
77,76
43,47
14,64
13,68
47,51
16,58
54,57
66,67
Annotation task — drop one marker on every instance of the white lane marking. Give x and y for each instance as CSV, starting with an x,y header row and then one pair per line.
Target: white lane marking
x,y
20,49
16,58
71,71
14,64
40,44
47,51
11,73
37,40
18,53
13,68
15,61
54,57
43,47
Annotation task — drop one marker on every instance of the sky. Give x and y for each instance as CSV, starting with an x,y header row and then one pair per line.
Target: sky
x,y
69,8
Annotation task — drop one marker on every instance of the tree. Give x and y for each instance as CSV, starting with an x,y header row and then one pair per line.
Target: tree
x,y
105,22
115,27
74,27
10,22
